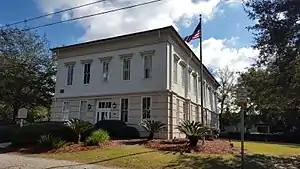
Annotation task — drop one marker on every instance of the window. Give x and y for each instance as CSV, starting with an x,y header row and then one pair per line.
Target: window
x,y
126,69
105,70
147,66
195,84
66,110
177,111
104,105
184,111
182,76
175,70
83,108
70,74
146,108
189,82
124,110
86,73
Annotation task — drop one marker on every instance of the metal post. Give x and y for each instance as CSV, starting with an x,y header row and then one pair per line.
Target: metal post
x,y
201,70
242,136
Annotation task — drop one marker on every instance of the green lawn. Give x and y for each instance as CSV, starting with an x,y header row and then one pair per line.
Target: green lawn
x,y
271,148
140,157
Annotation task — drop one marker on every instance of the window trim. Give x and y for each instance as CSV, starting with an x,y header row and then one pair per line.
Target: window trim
x,y
85,63
65,112
175,71
122,68
81,105
120,108
149,108
144,68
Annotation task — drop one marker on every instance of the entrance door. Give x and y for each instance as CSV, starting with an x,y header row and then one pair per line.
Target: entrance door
x,y
103,110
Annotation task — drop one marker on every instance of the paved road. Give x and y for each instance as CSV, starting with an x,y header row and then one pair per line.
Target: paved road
x,y
9,161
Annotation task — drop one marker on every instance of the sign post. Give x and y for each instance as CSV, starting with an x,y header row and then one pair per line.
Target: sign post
x,y
242,101
22,114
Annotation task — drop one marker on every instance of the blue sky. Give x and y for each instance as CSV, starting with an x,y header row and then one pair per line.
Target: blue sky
x,y
224,24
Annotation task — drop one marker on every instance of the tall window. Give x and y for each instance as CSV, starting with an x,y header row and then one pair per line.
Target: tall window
x,y
195,84
70,74
147,66
83,108
66,110
126,69
86,73
175,70
105,70
124,110
177,111
185,117
189,82
182,76
146,108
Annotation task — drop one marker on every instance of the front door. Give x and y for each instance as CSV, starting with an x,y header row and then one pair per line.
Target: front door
x,y
103,110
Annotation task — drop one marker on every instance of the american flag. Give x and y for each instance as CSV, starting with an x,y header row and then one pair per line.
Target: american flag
x,y
195,35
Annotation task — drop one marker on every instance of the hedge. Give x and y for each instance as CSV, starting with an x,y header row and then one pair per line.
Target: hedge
x,y
7,132
30,134
288,137
118,129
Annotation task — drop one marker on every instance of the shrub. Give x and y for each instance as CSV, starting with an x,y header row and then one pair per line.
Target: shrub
x,y
47,141
117,129
97,137
193,131
79,127
152,127
30,134
7,132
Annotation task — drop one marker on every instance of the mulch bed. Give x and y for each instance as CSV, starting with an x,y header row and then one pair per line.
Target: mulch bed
x,y
181,145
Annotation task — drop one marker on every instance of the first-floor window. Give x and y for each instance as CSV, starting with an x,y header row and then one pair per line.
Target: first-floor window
x,y
146,105
124,110
177,111
66,110
83,108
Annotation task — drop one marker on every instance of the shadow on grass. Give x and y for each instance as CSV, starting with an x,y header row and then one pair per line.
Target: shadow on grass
x,y
24,150
217,162
101,161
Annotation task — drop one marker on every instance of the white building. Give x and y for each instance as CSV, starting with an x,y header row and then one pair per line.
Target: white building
x,y
151,74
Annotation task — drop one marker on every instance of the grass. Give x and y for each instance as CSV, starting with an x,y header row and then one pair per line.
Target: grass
x,y
271,148
136,157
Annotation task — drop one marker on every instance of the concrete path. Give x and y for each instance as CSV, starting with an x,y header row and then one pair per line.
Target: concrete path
x,y
10,161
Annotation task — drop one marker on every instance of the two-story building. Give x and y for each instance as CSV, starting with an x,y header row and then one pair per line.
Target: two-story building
x,y
151,74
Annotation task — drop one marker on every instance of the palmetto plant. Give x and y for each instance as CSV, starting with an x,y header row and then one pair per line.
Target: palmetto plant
x,y
193,131
79,126
152,126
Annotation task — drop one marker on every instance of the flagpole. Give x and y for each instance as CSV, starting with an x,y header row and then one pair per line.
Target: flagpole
x,y
201,70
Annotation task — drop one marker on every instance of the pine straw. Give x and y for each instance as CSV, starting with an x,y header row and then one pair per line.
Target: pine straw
x,y
209,147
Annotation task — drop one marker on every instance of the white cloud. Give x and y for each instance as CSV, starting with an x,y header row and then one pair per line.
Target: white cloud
x,y
219,53
164,13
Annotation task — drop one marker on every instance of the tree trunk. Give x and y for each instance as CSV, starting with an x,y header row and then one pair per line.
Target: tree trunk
x,y
151,136
193,141
79,138
15,113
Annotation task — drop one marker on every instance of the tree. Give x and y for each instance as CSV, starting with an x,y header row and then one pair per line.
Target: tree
x,y
194,131
152,127
27,70
274,80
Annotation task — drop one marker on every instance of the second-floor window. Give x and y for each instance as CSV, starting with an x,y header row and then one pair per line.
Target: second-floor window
x,y
86,73
70,74
195,84
105,71
126,68
175,70
182,76
147,66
